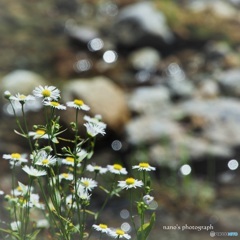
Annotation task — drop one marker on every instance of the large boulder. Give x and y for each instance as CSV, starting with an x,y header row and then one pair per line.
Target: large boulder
x,y
104,98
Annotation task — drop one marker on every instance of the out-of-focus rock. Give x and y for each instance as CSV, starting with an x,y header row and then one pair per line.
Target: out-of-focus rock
x,y
149,99
21,81
104,98
229,82
141,22
208,89
151,128
145,58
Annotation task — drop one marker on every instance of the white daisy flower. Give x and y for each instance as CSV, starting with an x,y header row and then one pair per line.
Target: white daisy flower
x,y
47,92
66,176
147,199
39,133
119,233
88,183
21,98
81,153
33,171
117,169
43,159
97,119
54,104
96,169
103,228
79,104
144,167
16,158
70,202
15,225
70,161
42,223
7,94
21,190
94,129
34,201
130,183
82,193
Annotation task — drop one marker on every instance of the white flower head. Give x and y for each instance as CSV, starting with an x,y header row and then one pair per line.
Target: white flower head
x,y
21,98
33,171
144,167
54,104
82,193
78,104
130,183
47,93
103,228
16,158
21,190
15,225
39,133
87,183
147,199
70,202
81,153
66,176
117,169
43,159
119,233
42,223
97,119
1,192
96,169
34,201
93,129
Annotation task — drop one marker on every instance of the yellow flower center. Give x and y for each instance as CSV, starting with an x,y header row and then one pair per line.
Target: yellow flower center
x,y
16,155
130,181
55,104
120,232
78,102
19,189
65,175
85,183
22,97
40,132
103,226
46,93
117,167
144,165
70,159
45,161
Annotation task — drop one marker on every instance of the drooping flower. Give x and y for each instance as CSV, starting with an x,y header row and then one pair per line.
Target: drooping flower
x,y
103,228
15,225
93,129
21,98
66,176
117,169
33,171
96,169
144,167
54,104
16,158
47,93
119,233
130,183
78,104
39,133
147,199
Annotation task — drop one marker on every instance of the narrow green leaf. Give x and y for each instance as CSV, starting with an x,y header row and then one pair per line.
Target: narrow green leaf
x,y
146,228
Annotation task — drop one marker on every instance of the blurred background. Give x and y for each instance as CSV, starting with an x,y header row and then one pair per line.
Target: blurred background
x,y
165,76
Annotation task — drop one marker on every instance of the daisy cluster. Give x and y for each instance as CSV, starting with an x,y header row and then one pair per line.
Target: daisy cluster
x,y
63,177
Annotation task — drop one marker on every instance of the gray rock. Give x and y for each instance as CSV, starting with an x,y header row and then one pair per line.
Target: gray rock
x,y
151,128
229,82
21,81
104,98
149,99
137,20
145,58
